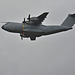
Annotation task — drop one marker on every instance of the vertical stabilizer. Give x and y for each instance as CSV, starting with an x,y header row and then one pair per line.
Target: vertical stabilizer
x,y
69,21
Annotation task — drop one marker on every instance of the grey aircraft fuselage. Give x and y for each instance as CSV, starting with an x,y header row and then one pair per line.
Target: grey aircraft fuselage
x,y
34,30
29,30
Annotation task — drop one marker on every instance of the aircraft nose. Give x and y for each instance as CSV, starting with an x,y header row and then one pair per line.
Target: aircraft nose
x,y
2,27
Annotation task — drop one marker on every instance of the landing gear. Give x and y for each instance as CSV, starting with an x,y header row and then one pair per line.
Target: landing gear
x,y
32,38
21,38
22,35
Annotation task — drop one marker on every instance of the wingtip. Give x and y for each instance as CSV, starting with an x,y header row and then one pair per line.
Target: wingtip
x,y
73,15
46,12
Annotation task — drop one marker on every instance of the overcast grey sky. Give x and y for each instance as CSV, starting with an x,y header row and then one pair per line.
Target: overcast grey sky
x,y
48,55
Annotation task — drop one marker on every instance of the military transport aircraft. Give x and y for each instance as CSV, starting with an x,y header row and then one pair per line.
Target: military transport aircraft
x,y
34,28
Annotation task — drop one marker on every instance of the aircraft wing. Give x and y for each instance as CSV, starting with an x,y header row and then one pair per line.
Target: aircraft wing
x,y
38,20
42,17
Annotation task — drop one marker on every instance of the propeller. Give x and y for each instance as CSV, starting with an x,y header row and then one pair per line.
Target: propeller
x,y
24,21
23,28
29,18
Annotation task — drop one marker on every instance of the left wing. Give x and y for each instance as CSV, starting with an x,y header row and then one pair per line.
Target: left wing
x,y
38,20
42,17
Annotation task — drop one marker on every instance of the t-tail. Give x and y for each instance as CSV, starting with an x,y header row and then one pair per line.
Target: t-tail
x,y
69,21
